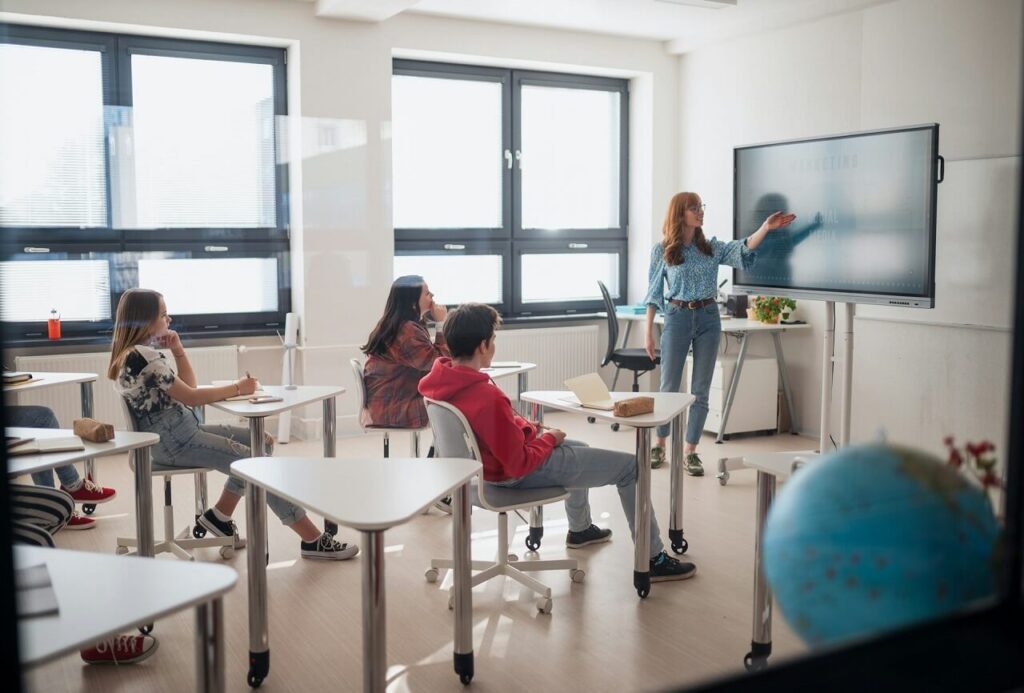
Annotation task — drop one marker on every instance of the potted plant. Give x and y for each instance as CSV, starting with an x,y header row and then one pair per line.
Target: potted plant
x,y
769,309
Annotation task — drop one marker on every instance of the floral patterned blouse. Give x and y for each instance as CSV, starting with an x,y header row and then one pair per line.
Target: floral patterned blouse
x,y
696,278
144,381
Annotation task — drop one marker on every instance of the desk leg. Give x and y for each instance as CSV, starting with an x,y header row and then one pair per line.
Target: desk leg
x,y
642,520
536,412
210,647
375,659
761,637
462,595
785,382
524,386
675,523
330,446
144,501
256,521
89,466
733,386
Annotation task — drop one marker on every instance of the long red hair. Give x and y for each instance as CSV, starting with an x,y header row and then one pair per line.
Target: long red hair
x,y
672,230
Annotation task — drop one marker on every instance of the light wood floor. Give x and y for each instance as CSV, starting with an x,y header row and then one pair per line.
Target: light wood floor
x,y
600,636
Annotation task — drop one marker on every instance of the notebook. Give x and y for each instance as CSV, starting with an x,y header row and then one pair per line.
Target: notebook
x,y
11,377
41,446
503,364
591,392
35,593
240,398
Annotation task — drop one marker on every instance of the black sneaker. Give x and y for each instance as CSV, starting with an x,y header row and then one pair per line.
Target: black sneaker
x,y
591,535
217,528
326,548
444,504
665,568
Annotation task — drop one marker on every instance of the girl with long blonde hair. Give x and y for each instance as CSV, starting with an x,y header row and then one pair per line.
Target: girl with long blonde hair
x,y
683,280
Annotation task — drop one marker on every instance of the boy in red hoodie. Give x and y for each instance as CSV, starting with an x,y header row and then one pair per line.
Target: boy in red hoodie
x,y
518,454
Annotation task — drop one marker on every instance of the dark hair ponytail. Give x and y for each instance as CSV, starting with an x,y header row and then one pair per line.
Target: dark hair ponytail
x,y
403,304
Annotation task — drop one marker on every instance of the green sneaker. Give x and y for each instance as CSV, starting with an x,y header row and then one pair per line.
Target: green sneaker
x,y
693,465
657,456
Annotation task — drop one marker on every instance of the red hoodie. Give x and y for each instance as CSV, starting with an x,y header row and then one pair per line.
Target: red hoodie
x,y
509,443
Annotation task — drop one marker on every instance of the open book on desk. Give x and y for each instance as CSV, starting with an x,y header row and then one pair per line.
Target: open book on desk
x,y
41,446
590,392
260,392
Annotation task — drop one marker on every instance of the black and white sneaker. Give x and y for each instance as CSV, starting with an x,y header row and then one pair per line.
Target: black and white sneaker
x,y
665,568
327,548
444,504
209,521
591,535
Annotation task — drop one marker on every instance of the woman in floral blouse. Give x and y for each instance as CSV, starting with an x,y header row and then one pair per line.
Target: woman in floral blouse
x,y
683,285
159,397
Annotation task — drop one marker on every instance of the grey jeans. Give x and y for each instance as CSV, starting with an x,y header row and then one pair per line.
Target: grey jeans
x,y
579,468
186,443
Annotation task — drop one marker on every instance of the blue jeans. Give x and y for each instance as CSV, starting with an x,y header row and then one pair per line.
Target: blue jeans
x,y
33,416
184,443
701,329
579,468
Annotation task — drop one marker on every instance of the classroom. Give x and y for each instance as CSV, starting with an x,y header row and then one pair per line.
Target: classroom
x,y
725,292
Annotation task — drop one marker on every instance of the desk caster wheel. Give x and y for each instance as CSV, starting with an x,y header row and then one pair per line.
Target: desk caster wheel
x,y
199,531
465,679
533,539
591,419
642,583
615,426
259,667
757,658
121,550
89,508
146,629
464,667
431,575
577,575
679,544
544,605
226,552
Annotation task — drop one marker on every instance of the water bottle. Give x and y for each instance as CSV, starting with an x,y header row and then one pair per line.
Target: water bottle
x,y
53,324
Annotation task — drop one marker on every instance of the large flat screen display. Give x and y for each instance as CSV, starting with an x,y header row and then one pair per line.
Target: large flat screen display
x,y
865,226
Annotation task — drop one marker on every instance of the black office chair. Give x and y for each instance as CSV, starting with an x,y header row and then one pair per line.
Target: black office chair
x,y
631,358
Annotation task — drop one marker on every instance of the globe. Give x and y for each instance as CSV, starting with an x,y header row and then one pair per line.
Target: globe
x,y
875,537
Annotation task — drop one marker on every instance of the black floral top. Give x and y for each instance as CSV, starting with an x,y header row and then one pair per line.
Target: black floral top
x,y
144,381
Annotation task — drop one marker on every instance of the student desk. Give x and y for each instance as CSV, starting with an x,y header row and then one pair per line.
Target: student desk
x,y
520,369
124,441
124,593
45,380
770,466
370,496
668,406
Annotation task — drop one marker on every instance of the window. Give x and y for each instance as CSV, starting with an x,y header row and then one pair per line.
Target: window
x,y
135,161
530,165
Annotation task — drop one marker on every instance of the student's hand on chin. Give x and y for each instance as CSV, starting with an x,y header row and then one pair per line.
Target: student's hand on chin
x,y
439,311
171,340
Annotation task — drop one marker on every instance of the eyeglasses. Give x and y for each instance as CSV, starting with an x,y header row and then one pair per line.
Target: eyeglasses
x,y
697,209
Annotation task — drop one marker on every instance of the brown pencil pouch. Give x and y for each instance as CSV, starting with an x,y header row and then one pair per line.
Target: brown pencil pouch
x,y
94,431
634,406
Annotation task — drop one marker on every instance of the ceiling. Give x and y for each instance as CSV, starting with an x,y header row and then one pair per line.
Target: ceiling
x,y
682,24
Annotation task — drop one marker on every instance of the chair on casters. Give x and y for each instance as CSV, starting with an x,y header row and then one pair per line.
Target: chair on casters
x,y
357,370
454,438
632,359
180,543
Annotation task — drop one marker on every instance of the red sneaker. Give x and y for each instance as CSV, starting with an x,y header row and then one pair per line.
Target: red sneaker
x,y
92,493
78,521
120,649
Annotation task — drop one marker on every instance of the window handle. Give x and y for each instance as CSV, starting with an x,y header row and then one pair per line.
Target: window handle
x,y
519,159
454,246
215,248
32,249
579,246
508,159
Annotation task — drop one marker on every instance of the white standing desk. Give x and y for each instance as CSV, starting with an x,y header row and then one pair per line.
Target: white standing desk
x,y
124,593
370,496
668,406
770,466
124,441
47,379
521,370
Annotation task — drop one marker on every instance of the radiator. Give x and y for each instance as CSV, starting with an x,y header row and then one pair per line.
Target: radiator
x,y
559,352
209,363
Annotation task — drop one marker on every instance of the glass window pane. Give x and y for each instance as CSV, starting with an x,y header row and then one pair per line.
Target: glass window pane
x,y
53,166
557,277
203,144
77,289
456,279
570,164
213,285
446,153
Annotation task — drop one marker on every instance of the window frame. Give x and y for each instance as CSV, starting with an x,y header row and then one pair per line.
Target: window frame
x,y
532,247
461,247
116,51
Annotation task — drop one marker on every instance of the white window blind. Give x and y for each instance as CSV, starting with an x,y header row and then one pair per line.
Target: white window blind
x,y
456,279
77,289
52,166
557,277
204,144
220,285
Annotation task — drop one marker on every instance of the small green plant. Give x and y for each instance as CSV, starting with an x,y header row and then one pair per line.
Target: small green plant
x,y
769,308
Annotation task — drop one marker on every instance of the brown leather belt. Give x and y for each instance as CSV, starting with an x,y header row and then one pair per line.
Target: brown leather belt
x,y
692,305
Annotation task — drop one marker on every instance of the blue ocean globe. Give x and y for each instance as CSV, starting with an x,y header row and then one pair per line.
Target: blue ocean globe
x,y
875,537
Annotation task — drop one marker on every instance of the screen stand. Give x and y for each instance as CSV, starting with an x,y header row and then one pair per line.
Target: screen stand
x,y
846,375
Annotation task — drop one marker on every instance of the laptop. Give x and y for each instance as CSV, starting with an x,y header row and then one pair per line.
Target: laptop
x,y
591,392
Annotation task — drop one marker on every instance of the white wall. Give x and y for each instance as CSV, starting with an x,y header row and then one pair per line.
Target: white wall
x,y
919,374
340,77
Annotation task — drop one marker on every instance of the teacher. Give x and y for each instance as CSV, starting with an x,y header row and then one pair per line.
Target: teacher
x,y
683,280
